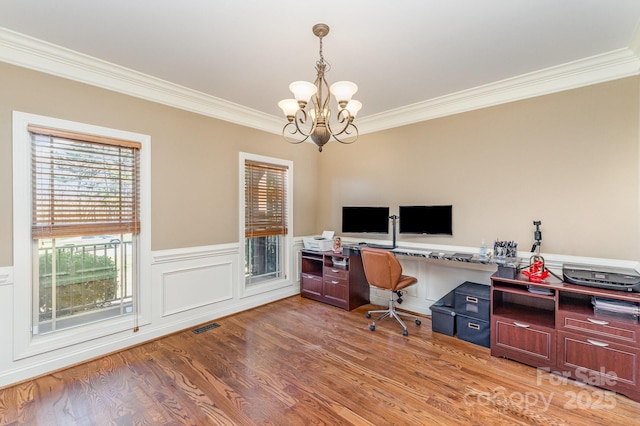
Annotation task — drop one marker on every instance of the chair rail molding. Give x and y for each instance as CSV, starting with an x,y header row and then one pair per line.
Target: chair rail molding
x,y
6,275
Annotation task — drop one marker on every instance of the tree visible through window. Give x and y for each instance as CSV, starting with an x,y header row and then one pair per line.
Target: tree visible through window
x,y
265,220
85,220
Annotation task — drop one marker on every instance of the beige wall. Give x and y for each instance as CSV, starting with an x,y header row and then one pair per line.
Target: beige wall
x,y
194,158
569,159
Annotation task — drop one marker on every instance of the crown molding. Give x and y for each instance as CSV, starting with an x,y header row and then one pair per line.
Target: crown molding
x,y
19,49
596,69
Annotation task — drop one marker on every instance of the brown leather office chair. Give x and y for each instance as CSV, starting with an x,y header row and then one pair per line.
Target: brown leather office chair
x,y
383,270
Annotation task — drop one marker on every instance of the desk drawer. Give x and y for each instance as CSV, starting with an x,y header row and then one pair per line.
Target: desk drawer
x,y
603,326
336,273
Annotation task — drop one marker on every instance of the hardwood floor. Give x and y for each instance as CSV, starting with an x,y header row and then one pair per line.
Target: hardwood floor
x,y
300,362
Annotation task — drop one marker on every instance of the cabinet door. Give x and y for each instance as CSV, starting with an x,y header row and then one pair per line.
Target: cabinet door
x,y
599,362
530,344
336,291
311,285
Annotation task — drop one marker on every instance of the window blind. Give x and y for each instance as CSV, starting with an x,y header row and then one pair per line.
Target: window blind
x,y
83,184
265,199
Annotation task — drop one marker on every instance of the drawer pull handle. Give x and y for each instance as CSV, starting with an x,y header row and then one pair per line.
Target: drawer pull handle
x,y
334,282
596,343
335,271
474,326
472,299
599,322
517,324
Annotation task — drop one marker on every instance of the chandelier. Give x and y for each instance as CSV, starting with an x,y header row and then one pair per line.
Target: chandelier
x,y
316,123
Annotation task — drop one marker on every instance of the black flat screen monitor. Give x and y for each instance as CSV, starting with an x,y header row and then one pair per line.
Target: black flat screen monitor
x,y
432,220
365,219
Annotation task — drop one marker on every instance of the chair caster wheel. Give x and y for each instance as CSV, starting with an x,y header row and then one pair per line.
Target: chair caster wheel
x,y
368,315
372,327
405,333
418,322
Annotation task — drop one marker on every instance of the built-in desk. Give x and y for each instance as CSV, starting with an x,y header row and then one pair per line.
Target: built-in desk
x,y
438,272
429,254
338,278
450,256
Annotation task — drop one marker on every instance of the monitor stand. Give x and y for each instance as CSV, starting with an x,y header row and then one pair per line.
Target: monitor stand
x,y
394,218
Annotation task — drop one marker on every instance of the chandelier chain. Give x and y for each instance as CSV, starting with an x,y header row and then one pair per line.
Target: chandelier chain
x,y
322,61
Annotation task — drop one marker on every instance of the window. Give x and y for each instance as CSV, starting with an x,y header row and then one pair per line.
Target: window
x,y
266,212
85,220
81,232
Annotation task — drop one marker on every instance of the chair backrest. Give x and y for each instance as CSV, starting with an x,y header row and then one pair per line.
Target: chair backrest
x,y
381,267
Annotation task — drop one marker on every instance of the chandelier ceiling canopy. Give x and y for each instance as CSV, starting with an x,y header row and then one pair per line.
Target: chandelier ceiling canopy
x,y
316,122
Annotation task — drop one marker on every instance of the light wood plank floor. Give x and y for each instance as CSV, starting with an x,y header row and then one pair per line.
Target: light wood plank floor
x,y
300,362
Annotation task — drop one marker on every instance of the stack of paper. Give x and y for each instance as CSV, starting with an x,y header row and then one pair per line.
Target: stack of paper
x,y
615,306
540,290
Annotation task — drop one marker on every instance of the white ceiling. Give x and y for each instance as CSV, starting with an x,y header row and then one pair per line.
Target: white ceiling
x,y
403,54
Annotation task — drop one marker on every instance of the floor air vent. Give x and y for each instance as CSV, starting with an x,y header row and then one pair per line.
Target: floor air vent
x,y
205,327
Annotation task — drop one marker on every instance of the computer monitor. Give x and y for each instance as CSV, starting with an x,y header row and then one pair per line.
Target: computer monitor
x,y
365,220
430,220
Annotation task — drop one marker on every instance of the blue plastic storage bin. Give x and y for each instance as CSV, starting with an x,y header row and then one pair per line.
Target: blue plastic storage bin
x,y
474,330
443,315
473,300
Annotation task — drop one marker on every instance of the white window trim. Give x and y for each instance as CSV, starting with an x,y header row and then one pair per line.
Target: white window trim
x,y
26,344
287,267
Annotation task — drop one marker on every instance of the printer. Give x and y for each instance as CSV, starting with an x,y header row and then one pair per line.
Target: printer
x,y
623,279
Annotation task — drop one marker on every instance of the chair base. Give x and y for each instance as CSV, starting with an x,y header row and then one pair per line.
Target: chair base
x,y
392,313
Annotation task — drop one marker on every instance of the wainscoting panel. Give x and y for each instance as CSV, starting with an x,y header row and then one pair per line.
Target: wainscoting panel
x,y
190,288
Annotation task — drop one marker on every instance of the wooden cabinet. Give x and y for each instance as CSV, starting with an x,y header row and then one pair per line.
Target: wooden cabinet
x,y
525,342
522,324
554,326
600,349
334,278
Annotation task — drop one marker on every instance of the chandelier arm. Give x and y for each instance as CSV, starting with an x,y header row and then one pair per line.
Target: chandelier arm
x,y
303,120
295,130
344,116
346,131
300,117
288,135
